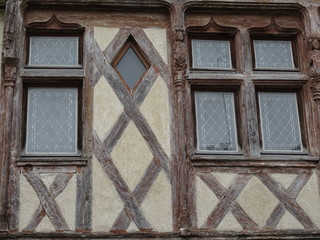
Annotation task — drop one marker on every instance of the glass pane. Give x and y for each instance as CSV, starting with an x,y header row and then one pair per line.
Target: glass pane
x,y
216,125
52,121
53,51
130,67
211,54
273,54
280,122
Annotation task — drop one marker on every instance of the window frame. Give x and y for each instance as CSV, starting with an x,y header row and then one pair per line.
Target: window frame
x,y
130,43
55,77
248,81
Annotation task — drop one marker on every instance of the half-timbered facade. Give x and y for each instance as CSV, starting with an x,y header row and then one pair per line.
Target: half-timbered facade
x,y
162,119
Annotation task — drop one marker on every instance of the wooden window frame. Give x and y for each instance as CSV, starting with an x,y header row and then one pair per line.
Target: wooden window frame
x,y
53,159
55,77
131,43
248,121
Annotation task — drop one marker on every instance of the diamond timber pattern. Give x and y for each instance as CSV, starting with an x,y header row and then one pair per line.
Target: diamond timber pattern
x,y
133,196
280,202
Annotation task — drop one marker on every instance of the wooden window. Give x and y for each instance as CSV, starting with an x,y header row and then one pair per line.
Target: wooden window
x,y
273,55
256,111
53,51
52,95
52,121
216,122
131,65
211,54
280,124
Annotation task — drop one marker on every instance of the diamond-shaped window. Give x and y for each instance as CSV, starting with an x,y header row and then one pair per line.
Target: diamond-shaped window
x,y
131,65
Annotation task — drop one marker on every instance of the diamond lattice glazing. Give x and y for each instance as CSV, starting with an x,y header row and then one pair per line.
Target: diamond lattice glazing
x,y
53,51
52,121
280,122
216,127
212,54
273,54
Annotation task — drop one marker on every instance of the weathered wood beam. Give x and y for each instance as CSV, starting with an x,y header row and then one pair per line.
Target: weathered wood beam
x,y
8,84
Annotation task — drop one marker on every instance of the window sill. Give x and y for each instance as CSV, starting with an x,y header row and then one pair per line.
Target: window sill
x,y
52,161
67,72
261,161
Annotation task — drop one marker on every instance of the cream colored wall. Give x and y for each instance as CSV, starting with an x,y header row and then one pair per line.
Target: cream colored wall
x,y
132,155
258,202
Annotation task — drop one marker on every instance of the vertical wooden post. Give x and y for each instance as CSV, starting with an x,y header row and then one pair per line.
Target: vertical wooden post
x,y
9,80
180,164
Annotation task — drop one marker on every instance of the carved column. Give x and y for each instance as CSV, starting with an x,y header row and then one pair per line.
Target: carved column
x,y
314,63
8,85
181,164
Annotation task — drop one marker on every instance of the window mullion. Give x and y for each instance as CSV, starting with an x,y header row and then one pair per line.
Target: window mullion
x,y
251,121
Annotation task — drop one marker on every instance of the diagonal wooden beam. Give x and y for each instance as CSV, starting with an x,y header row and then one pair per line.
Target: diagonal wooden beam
x,y
116,44
123,121
241,216
223,207
151,52
58,185
130,202
47,201
293,190
123,221
132,110
286,199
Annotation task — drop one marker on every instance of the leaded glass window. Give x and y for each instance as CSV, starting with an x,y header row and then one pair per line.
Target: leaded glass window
x,y
275,55
211,54
52,121
216,124
280,122
54,51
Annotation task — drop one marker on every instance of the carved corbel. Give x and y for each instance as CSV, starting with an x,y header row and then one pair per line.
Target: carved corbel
x,y
10,72
314,64
180,58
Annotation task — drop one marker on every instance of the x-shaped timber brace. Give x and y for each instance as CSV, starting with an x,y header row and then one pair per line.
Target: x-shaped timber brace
x,y
131,200
48,206
227,200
